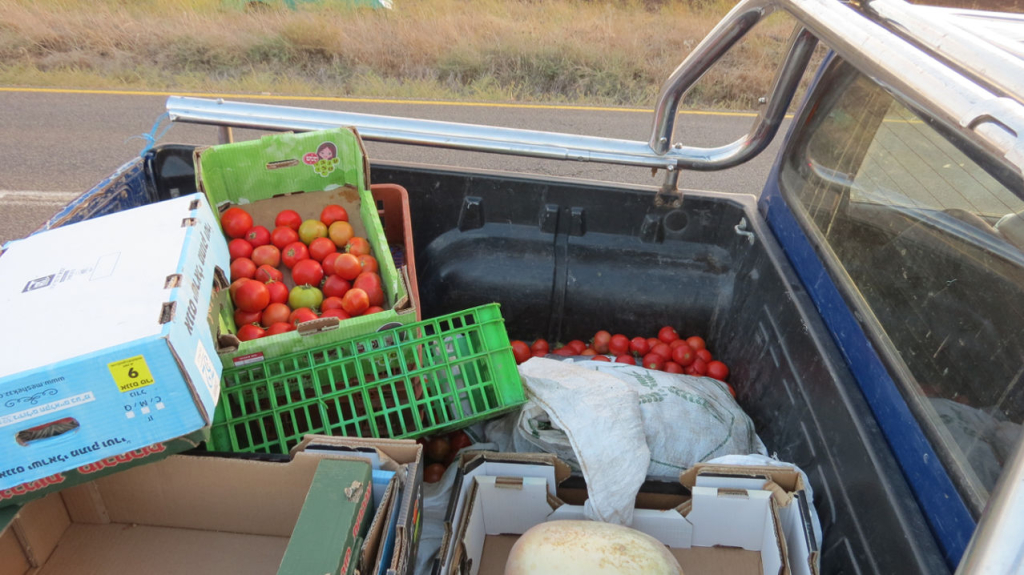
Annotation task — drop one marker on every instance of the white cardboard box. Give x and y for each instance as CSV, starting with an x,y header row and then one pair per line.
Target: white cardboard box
x,y
113,350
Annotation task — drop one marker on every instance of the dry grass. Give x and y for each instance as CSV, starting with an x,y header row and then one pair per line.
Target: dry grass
x,y
614,52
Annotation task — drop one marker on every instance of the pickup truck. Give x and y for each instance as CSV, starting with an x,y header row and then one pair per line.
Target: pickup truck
x,y
868,299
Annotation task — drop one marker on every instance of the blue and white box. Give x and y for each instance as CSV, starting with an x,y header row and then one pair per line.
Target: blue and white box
x,y
108,346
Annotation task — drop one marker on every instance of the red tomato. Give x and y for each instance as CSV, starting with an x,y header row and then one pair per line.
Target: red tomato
x,y
307,272
678,342
673,367
458,440
288,219
618,344
355,301
683,354
250,332
433,473
654,361
331,302
280,328
368,263
718,370
668,334
521,351
639,345
235,284
242,268
328,263
235,222
335,286
347,266
267,273
705,355
333,213
258,236
373,309
239,248
540,345
245,317
370,283
282,236
699,367
275,313
601,340
294,253
320,248
588,352
696,342
336,312
625,359
652,341
600,358
663,350
278,291
300,315
252,296
267,255
539,353
576,346
358,246
732,390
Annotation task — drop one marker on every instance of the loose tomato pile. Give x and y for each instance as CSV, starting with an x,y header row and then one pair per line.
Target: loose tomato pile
x,y
439,452
668,352
333,271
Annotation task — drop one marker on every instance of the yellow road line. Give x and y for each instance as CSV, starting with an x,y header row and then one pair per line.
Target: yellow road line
x,y
362,101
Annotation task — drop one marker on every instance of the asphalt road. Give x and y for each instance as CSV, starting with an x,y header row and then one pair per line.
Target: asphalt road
x,y
57,145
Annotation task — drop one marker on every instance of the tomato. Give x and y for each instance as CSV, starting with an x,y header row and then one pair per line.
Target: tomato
x,y
267,273
663,350
564,352
320,248
732,390
588,352
678,342
668,334
539,353
307,272
355,301
373,309
458,440
250,332
333,213
369,264
280,328
242,268
340,233
639,345
618,344
673,367
577,346
704,354
278,291
305,296
600,358
370,283
358,246
311,230
235,284
329,261
654,361
696,342
282,236
433,473
683,354
540,345
347,266
652,341
258,236
288,219
294,253
275,313
336,312
301,315
718,370
330,302
252,296
521,351
699,367
267,255
246,317
335,286
601,340
625,359
239,248
235,222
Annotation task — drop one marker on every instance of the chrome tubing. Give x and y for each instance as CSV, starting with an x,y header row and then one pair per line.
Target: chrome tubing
x,y
995,547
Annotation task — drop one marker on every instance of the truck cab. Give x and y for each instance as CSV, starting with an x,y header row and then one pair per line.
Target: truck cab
x,y
868,299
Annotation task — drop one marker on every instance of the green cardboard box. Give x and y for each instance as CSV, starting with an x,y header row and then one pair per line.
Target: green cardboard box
x,y
289,171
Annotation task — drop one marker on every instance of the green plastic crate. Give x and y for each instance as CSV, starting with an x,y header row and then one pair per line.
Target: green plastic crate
x,y
423,378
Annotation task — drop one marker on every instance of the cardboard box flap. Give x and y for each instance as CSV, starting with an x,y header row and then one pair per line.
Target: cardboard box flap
x,y
714,475
388,454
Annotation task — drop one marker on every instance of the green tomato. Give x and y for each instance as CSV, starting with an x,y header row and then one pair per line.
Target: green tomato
x,y
305,296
